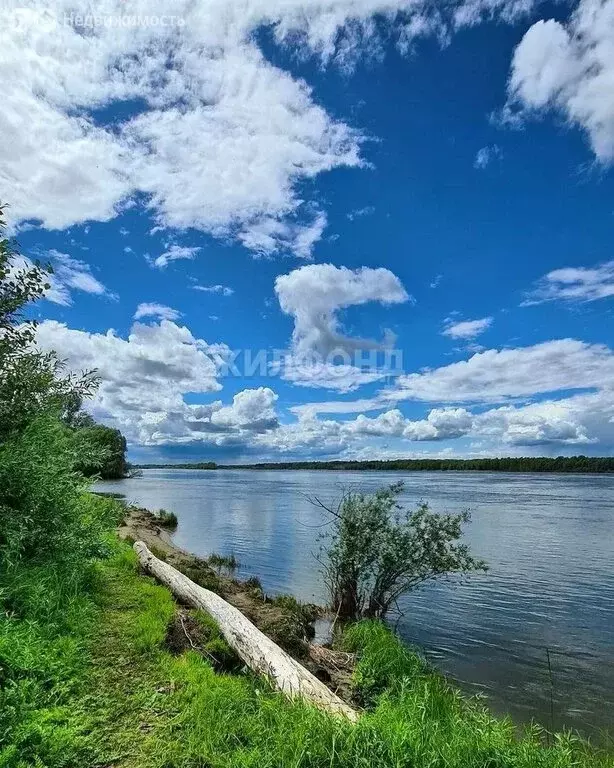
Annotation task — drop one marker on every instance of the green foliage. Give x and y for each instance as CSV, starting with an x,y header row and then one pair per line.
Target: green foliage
x,y
31,382
503,464
110,444
377,552
51,531
45,514
167,519
48,617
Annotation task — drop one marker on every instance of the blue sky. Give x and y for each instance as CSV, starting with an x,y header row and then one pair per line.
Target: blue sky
x,y
404,216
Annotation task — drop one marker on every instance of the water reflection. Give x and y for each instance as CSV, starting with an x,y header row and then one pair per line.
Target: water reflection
x,y
547,538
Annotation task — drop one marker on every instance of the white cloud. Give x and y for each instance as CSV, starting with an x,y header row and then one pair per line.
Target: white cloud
x,y
68,275
577,420
311,410
368,210
313,295
251,409
586,419
574,284
224,290
561,366
160,311
466,329
570,68
306,371
267,235
222,142
472,12
486,155
440,424
174,253
308,436
145,377
497,375
321,354
224,139
142,376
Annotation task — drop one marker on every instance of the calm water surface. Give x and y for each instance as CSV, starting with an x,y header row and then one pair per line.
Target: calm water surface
x,y
549,541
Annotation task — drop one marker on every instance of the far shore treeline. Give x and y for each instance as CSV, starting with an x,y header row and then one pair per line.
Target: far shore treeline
x,y
593,464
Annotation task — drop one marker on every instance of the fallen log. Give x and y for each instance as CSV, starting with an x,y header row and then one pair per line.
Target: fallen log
x,y
252,646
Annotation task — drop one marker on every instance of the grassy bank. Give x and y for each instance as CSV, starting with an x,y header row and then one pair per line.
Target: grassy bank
x,y
91,678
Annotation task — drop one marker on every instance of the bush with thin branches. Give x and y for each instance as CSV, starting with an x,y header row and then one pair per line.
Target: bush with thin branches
x,y
375,551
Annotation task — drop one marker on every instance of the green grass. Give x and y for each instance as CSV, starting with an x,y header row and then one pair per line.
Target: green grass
x,y
102,690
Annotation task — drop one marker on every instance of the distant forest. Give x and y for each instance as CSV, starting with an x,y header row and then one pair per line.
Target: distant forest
x,y
523,464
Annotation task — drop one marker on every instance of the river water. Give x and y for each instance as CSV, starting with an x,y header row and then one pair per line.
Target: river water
x,y
548,539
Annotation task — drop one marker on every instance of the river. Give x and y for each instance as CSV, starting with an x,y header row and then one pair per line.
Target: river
x,y
548,539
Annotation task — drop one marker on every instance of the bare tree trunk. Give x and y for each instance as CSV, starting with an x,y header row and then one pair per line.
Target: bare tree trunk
x,y
257,650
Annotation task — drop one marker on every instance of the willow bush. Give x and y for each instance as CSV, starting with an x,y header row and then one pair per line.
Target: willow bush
x,y
375,551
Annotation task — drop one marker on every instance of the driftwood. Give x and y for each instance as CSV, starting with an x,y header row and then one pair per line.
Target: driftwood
x,y
257,650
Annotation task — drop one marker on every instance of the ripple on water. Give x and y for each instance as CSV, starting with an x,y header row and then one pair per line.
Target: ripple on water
x,y
547,538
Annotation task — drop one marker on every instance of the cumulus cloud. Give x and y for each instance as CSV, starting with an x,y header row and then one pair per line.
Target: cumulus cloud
x,y
313,296
580,420
308,436
251,409
160,311
466,329
142,376
174,253
569,68
146,376
321,354
585,418
574,284
222,140
440,424
496,375
144,379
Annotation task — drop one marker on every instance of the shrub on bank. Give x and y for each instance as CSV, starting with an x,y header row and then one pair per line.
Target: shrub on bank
x,y
167,519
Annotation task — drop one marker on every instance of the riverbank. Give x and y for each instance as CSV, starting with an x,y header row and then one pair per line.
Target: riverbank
x,y
285,620
115,673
